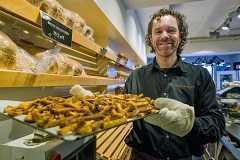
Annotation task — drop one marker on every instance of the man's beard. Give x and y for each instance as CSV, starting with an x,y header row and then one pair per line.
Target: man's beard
x,y
168,52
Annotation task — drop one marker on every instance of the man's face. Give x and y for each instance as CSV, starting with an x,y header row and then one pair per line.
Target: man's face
x,y
165,36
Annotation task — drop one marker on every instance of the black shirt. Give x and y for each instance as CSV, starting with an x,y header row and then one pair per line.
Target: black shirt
x,y
189,84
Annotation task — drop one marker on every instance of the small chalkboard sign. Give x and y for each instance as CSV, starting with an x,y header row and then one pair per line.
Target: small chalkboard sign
x,y
56,30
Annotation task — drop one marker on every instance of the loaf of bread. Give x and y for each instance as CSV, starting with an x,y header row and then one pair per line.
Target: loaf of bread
x,y
121,75
122,56
36,3
7,52
64,16
77,68
79,23
54,9
13,57
55,62
88,32
69,18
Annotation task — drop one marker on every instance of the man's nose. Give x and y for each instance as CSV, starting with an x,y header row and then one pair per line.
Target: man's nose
x,y
165,35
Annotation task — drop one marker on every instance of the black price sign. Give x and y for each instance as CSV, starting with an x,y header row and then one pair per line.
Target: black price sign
x,y
55,30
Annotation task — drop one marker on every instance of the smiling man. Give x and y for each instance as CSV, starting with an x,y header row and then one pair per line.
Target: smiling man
x,y
189,115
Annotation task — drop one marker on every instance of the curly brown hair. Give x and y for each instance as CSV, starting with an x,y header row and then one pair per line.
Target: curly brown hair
x,y
182,26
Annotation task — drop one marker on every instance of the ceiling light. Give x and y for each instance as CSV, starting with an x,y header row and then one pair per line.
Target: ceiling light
x,y
2,23
225,26
26,32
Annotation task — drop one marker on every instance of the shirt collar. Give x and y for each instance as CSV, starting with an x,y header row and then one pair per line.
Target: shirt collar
x,y
180,64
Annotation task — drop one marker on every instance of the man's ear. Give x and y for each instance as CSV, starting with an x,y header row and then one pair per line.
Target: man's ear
x,y
180,39
150,38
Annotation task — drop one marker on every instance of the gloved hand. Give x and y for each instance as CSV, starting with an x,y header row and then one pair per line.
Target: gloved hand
x,y
78,90
174,116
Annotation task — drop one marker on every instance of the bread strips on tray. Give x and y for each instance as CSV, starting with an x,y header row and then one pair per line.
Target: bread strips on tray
x,y
77,117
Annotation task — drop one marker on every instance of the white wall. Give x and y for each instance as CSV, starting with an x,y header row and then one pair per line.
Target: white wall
x,y
135,35
214,46
127,24
115,13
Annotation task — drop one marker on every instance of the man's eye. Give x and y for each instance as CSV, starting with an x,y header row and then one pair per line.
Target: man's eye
x,y
171,31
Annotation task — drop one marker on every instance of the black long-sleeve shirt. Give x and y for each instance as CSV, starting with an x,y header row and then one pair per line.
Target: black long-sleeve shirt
x,y
186,83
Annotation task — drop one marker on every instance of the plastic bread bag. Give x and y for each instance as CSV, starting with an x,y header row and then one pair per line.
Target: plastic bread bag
x,y
79,23
69,66
54,9
77,68
36,3
47,61
25,62
70,18
55,62
87,31
58,12
13,57
48,6
7,53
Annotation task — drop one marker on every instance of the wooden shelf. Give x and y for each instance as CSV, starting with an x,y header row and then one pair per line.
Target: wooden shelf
x,y
31,14
22,79
103,27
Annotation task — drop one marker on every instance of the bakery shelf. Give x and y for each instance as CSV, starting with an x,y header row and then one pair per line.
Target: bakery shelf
x,y
31,14
103,27
22,79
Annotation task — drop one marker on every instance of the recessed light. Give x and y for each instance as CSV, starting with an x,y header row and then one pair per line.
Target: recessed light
x,y
2,23
26,32
225,27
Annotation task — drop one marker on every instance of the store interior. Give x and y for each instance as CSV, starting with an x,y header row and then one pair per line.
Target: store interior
x,y
97,45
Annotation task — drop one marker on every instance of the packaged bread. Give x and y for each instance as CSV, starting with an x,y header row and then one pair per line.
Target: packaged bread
x,y
88,32
13,57
122,56
25,62
55,62
121,75
36,3
119,90
76,67
79,23
54,9
70,18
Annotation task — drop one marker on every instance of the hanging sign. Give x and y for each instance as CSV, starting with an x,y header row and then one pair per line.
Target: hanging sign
x,y
56,30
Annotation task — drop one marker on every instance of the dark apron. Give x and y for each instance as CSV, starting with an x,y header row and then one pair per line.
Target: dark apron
x,y
135,155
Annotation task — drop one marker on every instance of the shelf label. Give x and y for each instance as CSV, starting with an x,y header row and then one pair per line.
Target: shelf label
x,y
103,51
56,30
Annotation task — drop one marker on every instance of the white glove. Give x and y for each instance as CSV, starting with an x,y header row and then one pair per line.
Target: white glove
x,y
78,90
174,116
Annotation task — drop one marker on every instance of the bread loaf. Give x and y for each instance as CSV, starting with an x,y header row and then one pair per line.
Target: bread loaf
x,y
13,57
122,56
36,3
55,62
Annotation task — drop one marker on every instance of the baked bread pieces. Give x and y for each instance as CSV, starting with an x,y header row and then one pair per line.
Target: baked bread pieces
x,y
83,115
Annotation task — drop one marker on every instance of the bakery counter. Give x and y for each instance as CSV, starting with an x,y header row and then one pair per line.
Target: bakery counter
x,y
234,130
231,141
18,141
